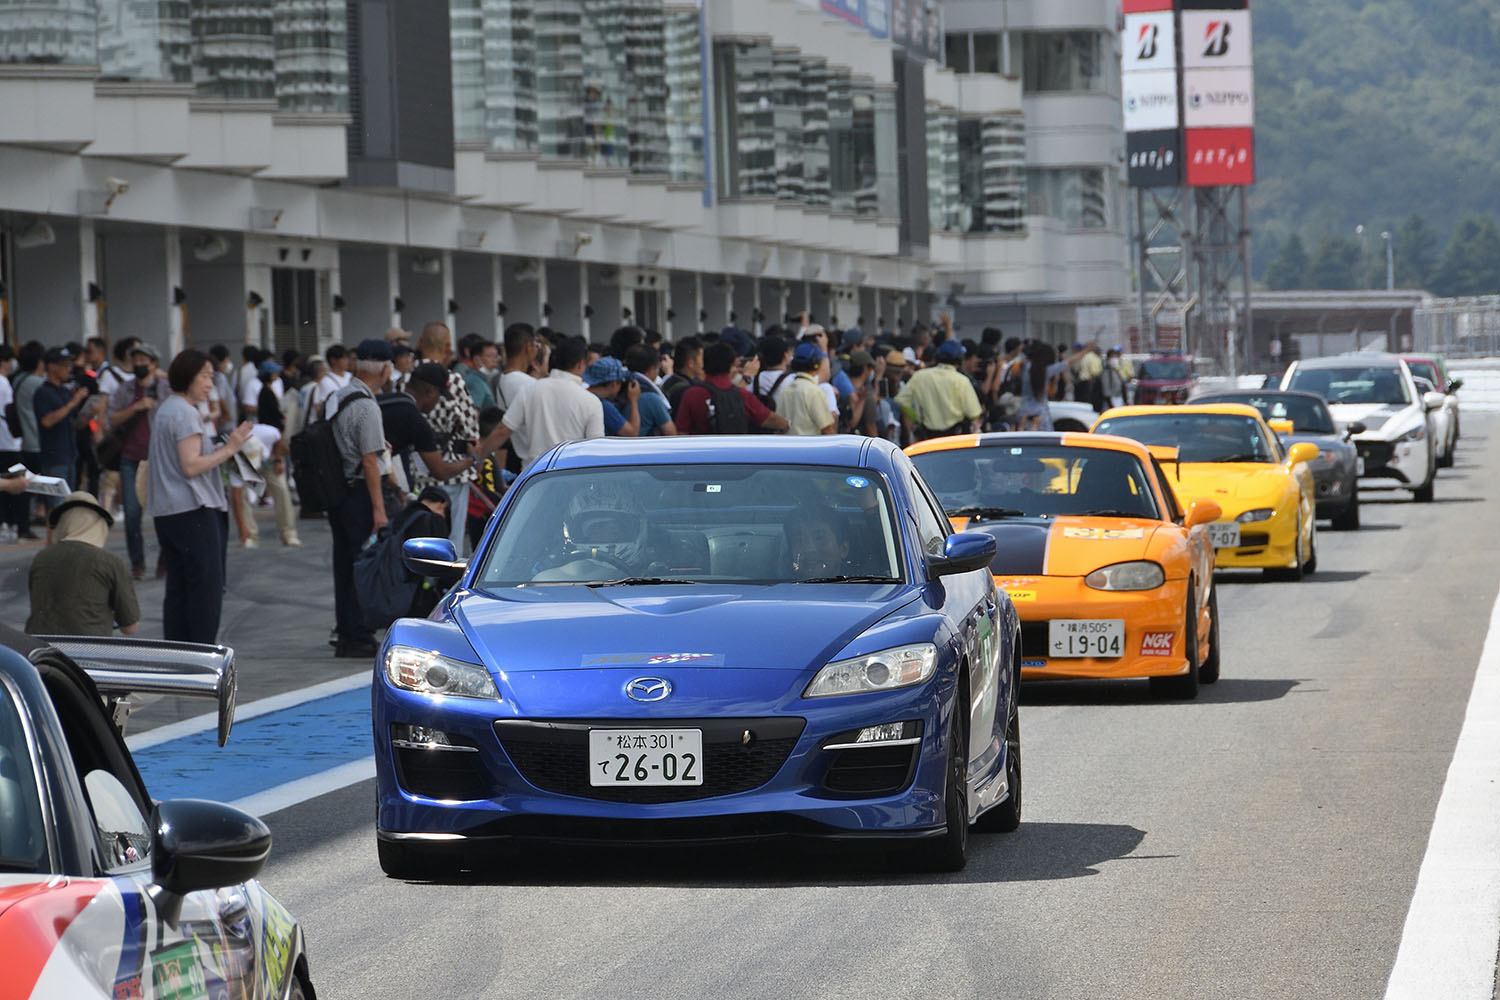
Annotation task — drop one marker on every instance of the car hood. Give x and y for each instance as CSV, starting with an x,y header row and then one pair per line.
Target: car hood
x,y
782,627
1234,486
1373,415
1064,546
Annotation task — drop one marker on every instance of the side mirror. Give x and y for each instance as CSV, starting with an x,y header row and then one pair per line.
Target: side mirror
x,y
963,553
1455,385
1357,427
1202,512
1281,426
1301,453
196,844
434,557
1433,400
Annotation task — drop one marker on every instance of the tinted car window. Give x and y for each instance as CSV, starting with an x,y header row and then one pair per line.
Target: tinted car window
x,y
1038,480
23,837
1425,369
1356,384
1308,416
695,523
1163,371
1198,437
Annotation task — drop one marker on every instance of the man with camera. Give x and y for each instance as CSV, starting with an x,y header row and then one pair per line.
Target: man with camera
x,y
56,402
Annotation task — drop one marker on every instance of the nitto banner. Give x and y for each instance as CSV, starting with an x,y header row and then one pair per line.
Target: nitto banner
x,y
1154,159
1150,100
1149,42
1216,39
1218,98
1217,157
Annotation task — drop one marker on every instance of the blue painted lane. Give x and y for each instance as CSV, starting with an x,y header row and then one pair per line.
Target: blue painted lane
x,y
263,752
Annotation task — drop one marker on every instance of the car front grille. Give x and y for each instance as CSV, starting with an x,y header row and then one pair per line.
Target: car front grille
x,y
442,774
871,771
553,756
1252,539
1034,641
1377,454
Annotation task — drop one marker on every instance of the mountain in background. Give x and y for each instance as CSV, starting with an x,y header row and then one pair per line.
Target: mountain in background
x,y
1370,112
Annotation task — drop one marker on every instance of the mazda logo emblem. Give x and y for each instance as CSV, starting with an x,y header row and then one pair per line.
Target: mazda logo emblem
x,y
648,689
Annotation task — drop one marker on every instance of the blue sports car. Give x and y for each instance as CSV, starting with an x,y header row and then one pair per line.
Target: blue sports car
x,y
703,639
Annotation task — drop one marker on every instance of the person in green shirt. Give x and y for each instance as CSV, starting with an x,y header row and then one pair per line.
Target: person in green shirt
x,y
77,588
801,400
940,400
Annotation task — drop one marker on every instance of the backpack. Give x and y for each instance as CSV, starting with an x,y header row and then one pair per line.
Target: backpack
x,y
317,463
384,588
768,398
13,415
726,411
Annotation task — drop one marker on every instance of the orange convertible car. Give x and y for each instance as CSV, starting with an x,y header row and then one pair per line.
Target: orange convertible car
x,y
1110,578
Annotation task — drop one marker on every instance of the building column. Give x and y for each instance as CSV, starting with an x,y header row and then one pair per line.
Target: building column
x,y
393,284
335,333
176,311
88,274
492,304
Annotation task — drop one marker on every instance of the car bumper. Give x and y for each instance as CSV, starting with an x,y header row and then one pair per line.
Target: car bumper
x,y
1335,490
498,787
1264,545
1406,461
1152,613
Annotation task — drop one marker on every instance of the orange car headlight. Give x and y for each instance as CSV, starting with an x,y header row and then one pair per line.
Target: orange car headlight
x,y
1140,575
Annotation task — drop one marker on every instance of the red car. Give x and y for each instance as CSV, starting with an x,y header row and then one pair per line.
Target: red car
x,y
1164,378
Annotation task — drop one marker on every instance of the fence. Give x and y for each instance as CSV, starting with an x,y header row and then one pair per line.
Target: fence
x,y
1459,328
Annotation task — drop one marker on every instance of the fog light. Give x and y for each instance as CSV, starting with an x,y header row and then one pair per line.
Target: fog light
x,y
879,734
421,737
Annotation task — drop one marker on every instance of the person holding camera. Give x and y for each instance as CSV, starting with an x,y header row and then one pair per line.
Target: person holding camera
x,y
130,409
56,403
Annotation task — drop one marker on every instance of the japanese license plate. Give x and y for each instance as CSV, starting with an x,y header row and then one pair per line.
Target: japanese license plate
x,y
645,757
1102,638
1224,534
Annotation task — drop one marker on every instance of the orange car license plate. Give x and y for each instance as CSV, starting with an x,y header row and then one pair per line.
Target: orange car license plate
x,y
1101,638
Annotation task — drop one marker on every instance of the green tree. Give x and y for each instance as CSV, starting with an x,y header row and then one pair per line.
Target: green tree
x,y
1335,264
1289,269
1415,248
1470,264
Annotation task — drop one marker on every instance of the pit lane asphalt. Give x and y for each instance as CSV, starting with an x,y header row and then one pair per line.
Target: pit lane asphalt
x,y
1262,841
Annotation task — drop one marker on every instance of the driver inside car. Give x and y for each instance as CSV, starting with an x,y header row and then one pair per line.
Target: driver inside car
x,y
818,546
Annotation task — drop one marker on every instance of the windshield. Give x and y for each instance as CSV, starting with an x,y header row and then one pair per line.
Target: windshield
x,y
1199,437
1164,371
757,524
1357,384
1425,369
1308,415
23,838
1037,481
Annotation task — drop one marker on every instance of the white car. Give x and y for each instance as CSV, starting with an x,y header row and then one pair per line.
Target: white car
x,y
1376,398
1444,424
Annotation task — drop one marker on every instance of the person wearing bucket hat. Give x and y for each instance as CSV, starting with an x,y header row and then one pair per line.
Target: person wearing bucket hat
x,y
77,587
940,400
606,378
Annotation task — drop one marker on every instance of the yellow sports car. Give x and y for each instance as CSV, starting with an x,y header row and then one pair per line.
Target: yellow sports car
x,y
1228,454
1108,575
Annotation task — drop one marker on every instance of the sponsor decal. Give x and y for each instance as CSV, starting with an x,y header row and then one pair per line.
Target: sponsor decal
x,y
176,973
1149,41
1216,39
1154,158
1033,663
858,482
1150,100
1020,596
1104,534
275,946
651,659
1157,643
1146,6
1220,156
128,988
1219,98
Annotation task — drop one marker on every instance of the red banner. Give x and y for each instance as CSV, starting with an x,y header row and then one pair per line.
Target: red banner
x,y
1219,157
1146,6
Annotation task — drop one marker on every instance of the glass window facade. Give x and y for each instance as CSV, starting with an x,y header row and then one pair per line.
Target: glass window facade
x,y
606,84
646,70
509,67
787,110
58,32
943,203
145,40
1079,197
559,58
744,111
992,174
1053,61
684,78
841,156
466,43
234,49
816,188
312,56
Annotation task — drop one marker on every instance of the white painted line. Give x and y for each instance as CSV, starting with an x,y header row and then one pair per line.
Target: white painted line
x,y
1452,930
275,703
290,794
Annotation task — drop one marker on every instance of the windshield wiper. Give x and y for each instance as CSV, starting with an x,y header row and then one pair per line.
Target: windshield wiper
x,y
849,579
1243,457
639,581
1113,513
987,512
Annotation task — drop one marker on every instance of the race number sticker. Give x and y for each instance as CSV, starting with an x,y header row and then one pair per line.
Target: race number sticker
x,y
858,482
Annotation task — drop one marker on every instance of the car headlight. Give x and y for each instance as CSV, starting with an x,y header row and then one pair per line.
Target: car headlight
x,y
886,670
1259,514
426,672
1417,433
1141,575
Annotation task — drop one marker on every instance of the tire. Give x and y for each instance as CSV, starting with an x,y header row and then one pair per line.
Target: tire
x,y
299,990
1293,574
1446,461
950,851
1423,493
1006,817
1208,673
1069,426
416,862
1311,566
1183,687
1348,518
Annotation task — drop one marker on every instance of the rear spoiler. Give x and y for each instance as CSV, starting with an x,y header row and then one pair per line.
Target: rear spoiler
x,y
1164,454
120,667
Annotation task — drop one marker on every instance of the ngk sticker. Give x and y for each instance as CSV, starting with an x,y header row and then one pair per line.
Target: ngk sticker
x,y
1157,643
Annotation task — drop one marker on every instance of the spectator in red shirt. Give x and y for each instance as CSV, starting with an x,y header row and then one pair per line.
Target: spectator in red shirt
x,y
716,406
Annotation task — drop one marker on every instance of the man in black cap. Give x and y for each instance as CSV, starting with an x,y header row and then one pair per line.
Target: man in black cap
x,y
360,436
57,406
407,431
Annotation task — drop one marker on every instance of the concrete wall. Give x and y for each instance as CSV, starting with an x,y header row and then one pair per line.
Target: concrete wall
x,y
48,302
134,277
474,292
215,302
367,297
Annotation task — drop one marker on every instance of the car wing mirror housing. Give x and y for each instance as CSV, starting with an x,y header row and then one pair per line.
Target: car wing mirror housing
x,y
963,553
432,557
1455,385
197,844
1433,400
1203,512
1357,427
1301,453
1282,426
